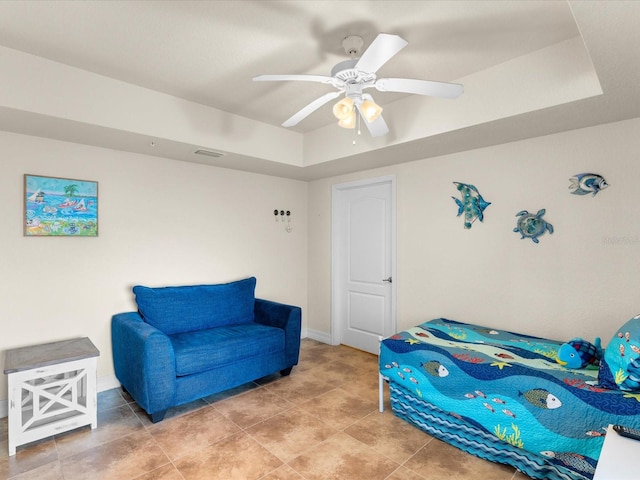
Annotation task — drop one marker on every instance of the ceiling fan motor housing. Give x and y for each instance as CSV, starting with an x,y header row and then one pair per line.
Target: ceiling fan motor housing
x,y
346,72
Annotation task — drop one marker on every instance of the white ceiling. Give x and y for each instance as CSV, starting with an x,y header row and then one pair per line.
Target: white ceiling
x,y
207,53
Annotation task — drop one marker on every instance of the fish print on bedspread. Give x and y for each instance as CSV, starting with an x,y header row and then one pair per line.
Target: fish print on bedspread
x,y
517,420
509,384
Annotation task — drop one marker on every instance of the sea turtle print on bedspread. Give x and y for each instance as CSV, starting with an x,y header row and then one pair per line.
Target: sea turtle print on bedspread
x,y
505,388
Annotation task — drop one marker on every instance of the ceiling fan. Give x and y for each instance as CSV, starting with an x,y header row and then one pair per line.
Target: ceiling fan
x,y
351,77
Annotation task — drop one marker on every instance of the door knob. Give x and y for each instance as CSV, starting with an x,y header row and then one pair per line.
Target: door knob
x,y
390,280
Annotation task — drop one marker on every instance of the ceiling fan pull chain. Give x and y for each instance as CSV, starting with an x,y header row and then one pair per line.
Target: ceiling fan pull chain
x,y
356,131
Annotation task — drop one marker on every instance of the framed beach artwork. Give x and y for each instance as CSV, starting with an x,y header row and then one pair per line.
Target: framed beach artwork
x,y
60,207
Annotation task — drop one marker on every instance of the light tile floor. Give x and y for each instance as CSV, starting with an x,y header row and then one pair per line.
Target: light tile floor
x,y
319,423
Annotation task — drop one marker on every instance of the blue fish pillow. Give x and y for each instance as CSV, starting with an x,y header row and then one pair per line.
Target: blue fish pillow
x,y
578,353
620,364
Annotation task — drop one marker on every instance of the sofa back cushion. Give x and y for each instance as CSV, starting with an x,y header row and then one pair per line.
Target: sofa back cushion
x,y
196,307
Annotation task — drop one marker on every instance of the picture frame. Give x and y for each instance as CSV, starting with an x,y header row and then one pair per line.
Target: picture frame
x,y
60,207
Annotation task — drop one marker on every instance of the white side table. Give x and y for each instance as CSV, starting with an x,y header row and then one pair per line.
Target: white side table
x,y
618,458
52,389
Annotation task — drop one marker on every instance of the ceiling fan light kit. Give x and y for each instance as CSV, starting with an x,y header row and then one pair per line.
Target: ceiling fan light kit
x,y
370,110
351,77
345,111
349,121
343,108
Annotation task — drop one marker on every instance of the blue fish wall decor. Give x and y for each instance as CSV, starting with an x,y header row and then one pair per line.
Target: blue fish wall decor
x,y
584,183
472,203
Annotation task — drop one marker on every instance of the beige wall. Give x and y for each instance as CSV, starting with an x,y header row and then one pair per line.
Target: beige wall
x,y
581,281
161,222
167,222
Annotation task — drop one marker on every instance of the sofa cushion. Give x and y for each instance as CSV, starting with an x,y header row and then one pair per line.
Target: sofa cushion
x,y
196,307
203,350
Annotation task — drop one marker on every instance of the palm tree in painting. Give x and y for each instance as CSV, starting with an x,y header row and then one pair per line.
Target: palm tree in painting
x,y
71,190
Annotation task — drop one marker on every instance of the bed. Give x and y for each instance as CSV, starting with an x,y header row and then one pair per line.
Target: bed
x,y
502,396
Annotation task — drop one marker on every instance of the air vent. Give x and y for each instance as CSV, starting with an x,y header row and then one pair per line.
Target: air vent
x,y
209,153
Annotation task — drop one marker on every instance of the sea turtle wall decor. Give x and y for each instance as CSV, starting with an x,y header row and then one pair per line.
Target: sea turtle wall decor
x,y
584,183
531,225
472,203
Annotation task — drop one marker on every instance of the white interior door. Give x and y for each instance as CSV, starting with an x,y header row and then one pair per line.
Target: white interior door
x,y
363,263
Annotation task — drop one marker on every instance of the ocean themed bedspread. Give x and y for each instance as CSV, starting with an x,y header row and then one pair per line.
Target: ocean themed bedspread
x,y
510,385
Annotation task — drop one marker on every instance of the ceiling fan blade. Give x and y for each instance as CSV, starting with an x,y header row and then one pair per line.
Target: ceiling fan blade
x,y
299,78
381,50
309,109
419,87
378,127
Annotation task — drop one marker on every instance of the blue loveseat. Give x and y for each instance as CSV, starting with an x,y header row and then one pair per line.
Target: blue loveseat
x,y
188,342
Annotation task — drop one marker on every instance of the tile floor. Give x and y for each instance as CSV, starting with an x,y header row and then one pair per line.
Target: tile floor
x,y
320,423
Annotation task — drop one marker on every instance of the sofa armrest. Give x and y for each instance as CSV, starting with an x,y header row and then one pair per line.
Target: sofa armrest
x,y
287,317
144,361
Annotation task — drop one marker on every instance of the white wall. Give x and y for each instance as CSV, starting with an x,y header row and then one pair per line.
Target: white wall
x,y
166,222
581,281
161,222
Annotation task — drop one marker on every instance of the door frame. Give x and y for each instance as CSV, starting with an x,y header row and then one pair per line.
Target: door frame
x,y
337,284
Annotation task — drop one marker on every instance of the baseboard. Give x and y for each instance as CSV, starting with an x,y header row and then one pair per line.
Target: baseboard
x,y
319,336
107,383
102,384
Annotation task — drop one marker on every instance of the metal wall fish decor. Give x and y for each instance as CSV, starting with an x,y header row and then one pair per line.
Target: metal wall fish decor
x,y
531,225
472,203
584,183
